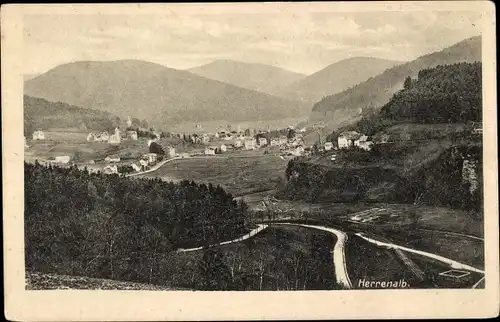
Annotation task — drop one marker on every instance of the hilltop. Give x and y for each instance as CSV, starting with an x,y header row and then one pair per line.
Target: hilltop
x,y
42,114
345,106
259,77
337,77
165,96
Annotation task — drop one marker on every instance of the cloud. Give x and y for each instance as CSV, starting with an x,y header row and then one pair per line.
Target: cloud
x,y
302,42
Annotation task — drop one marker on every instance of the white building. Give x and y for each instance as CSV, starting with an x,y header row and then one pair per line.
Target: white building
x,y
38,135
328,146
101,136
143,162
299,150
209,151
238,144
135,167
150,157
115,138
170,152
62,159
262,141
250,144
343,142
363,143
223,148
132,135
112,158
110,169
274,142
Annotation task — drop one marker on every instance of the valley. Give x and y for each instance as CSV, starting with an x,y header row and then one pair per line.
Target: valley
x,y
236,176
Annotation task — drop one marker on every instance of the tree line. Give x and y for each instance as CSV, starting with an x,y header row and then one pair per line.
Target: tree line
x,y
109,226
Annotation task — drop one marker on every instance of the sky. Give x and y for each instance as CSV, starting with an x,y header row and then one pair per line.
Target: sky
x,y
304,43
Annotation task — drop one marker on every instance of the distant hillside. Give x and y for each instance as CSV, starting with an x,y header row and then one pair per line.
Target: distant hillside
x,y
449,94
337,77
378,90
29,76
259,77
444,94
42,114
159,94
162,95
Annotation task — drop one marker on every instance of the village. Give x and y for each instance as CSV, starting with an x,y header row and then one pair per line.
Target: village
x,y
287,143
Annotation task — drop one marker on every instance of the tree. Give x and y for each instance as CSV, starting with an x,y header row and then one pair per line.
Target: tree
x,y
407,83
215,275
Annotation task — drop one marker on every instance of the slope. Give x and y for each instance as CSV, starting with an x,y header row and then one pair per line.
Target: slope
x,y
347,105
337,77
159,94
259,77
42,114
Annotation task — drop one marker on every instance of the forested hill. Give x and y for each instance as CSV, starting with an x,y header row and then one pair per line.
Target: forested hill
x,y
377,91
444,94
42,114
107,226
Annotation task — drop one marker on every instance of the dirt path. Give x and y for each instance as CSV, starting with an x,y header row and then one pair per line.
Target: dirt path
x,y
452,263
254,232
339,260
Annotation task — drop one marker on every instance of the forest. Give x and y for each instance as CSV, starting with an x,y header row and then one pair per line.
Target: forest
x,y
42,114
108,226
444,94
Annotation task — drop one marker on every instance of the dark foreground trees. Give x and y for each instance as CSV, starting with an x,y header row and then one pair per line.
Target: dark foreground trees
x,y
114,227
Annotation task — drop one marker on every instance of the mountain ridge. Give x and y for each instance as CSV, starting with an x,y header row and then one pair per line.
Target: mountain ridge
x,y
377,91
160,94
337,77
255,76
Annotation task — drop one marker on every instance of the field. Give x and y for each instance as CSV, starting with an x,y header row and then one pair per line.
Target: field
x,y
241,174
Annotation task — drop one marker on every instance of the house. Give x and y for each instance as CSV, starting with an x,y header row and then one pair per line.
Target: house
x,y
100,136
274,142
250,144
110,169
299,150
209,151
135,167
112,158
363,143
262,141
223,148
238,144
328,146
38,135
282,140
343,142
132,135
143,163
161,149
150,157
346,139
115,138
184,155
91,162
62,159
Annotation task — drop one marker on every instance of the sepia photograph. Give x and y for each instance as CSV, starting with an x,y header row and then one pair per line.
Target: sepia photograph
x,y
252,150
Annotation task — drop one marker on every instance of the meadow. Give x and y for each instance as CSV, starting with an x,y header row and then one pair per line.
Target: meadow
x,y
241,174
